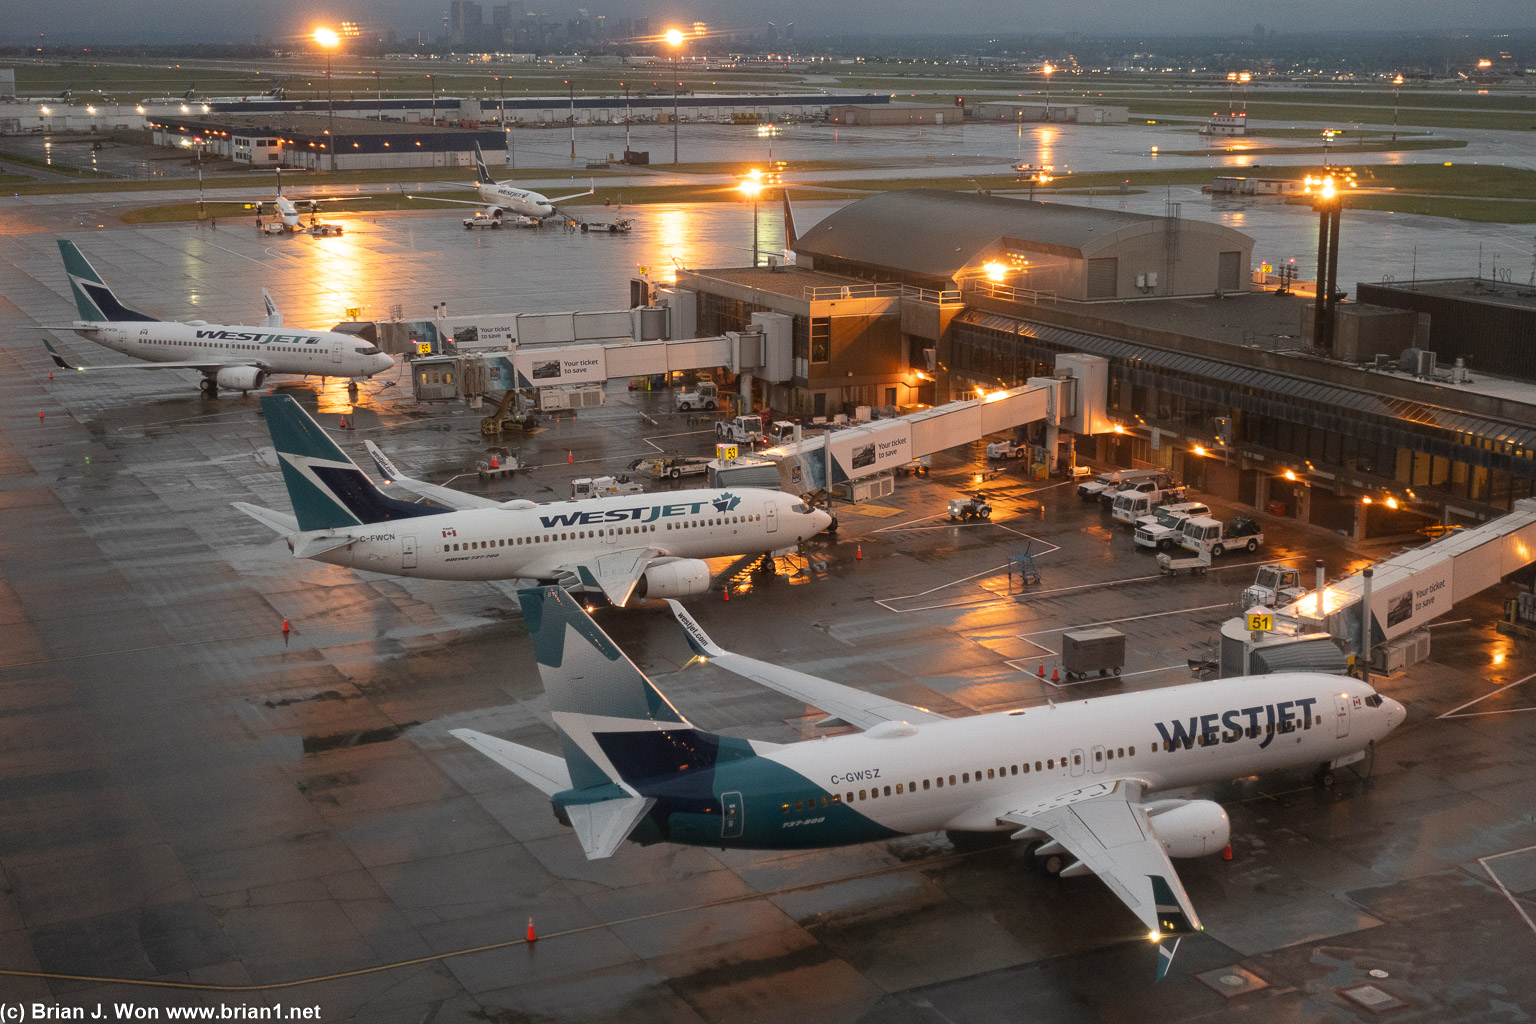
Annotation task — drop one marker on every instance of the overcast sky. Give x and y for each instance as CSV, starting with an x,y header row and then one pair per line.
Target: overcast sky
x,y
240,20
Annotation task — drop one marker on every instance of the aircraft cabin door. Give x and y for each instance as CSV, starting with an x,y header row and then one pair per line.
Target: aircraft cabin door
x,y
407,552
732,819
1098,760
771,517
1077,762
335,351
1342,702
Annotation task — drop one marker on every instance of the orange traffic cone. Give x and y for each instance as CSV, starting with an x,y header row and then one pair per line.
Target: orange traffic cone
x,y
1055,674
1227,853
725,592
39,415
50,375
1041,672
285,625
532,935
495,462
858,553
570,456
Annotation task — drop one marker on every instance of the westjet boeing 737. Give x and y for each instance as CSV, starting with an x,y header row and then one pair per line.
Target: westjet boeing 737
x,y
629,547
496,197
1080,779
236,357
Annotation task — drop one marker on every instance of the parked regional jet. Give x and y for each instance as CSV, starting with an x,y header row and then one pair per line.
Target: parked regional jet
x,y
498,198
628,547
1080,778
235,357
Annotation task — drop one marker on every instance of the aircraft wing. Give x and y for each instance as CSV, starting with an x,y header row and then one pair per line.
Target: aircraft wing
x,y
206,367
456,500
575,195
617,572
280,523
1105,826
858,708
462,202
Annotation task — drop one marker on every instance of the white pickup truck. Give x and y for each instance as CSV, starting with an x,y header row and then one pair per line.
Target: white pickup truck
x,y
1113,480
1207,536
1160,530
1132,505
604,486
673,467
742,429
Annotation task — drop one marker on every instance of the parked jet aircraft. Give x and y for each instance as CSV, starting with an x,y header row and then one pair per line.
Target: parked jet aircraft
x,y
626,547
228,356
499,198
1078,778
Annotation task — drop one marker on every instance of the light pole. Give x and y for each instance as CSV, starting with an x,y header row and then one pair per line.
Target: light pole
x,y
1328,201
1047,71
433,83
626,122
752,187
328,40
1397,84
572,93
674,39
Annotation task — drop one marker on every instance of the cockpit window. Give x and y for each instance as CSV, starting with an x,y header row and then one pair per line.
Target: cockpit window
x,y
801,507
1374,700
366,350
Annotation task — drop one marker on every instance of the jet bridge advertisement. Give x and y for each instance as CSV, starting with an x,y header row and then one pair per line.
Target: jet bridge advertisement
x,y
864,451
585,365
1404,606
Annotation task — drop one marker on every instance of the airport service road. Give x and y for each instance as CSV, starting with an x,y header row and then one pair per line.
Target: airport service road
x,y
190,796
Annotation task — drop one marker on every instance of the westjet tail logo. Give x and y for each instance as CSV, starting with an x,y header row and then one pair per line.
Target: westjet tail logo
x,y
1285,716
726,502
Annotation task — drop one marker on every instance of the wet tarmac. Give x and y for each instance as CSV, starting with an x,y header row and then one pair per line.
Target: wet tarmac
x,y
191,797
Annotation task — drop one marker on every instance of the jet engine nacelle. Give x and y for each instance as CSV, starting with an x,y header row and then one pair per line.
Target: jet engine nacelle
x,y
683,577
1190,828
240,378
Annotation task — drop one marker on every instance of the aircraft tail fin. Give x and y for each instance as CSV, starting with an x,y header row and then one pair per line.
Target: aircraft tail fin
x,y
789,223
482,173
93,298
616,728
326,487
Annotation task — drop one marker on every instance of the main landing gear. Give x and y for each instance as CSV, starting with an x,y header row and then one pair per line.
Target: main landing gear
x,y
209,387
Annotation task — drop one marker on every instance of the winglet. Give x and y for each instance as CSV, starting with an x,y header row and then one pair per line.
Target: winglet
x,y
790,238
58,360
697,638
386,467
1165,952
274,317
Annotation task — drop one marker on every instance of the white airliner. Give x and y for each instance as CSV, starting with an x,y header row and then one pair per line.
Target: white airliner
x,y
236,357
290,212
498,198
624,548
1080,778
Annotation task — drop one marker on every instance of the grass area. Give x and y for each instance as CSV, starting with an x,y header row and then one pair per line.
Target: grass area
x,y
1490,211
1335,113
1336,149
1471,180
67,170
14,179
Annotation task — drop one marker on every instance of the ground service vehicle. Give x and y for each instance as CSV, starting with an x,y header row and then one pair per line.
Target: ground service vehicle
x,y
742,429
1206,536
1112,480
973,507
604,486
703,396
1161,530
1008,449
1133,505
1148,485
673,467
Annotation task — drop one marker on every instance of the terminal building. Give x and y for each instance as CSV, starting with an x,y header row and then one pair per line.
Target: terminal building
x,y
304,140
915,298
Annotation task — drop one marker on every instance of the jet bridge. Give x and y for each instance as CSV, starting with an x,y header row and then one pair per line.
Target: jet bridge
x,y
1405,591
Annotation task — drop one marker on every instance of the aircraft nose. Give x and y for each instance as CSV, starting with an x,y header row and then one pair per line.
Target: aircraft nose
x,y
383,361
1396,713
823,519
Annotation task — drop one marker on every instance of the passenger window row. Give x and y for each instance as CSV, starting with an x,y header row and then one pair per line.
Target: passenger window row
x,y
612,531
962,779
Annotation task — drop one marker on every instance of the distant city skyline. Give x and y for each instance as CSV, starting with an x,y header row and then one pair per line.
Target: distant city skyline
x,y
225,21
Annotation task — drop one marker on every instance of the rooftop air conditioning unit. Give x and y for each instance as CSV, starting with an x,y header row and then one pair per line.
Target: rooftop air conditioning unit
x,y
1426,367
1383,362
